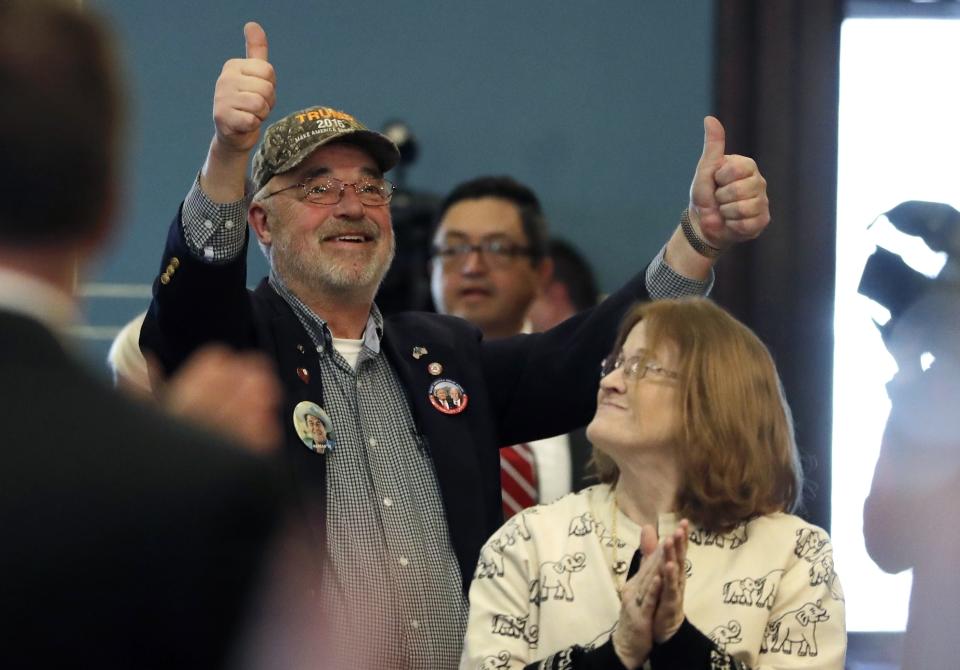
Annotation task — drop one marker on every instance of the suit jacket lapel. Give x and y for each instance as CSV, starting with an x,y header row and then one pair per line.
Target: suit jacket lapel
x,y
298,368
448,437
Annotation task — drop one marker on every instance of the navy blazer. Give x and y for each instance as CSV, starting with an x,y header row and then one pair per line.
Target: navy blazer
x,y
520,389
129,540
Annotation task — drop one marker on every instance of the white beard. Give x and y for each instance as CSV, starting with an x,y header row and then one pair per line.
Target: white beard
x,y
326,272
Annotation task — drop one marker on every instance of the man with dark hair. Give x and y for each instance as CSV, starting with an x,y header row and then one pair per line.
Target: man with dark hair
x,y
403,504
490,254
128,540
571,289
490,262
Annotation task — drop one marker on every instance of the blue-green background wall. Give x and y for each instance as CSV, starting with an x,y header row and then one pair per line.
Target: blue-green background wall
x,y
597,106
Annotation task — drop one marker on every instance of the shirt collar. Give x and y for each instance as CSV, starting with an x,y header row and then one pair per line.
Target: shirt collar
x,y
317,326
32,297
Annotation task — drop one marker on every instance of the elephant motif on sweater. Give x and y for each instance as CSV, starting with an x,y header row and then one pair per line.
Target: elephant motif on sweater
x,y
748,591
721,636
555,577
498,662
511,626
795,629
809,543
733,539
491,556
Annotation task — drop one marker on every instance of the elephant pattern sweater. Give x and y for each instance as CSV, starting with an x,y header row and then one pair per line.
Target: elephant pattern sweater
x,y
546,592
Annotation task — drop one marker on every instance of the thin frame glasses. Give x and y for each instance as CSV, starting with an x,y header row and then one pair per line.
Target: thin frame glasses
x,y
635,367
329,190
498,253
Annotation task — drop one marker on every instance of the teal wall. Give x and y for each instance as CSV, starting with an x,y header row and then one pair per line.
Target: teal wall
x,y
599,111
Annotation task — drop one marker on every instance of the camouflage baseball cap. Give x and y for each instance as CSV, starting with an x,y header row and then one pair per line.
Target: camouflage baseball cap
x,y
290,140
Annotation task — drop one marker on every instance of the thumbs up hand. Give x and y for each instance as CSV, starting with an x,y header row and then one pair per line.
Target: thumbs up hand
x,y
728,196
244,95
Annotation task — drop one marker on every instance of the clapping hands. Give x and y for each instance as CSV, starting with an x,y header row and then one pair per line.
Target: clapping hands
x,y
651,608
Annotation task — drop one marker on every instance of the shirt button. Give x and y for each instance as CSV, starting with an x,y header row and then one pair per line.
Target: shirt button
x,y
319,349
404,561
228,225
373,441
415,624
208,224
387,502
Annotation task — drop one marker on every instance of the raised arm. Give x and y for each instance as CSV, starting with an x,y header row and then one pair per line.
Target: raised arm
x,y
200,293
547,381
243,98
728,205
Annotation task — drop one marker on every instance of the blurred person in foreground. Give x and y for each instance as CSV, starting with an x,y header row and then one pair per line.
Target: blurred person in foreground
x,y
695,449
127,363
129,540
233,393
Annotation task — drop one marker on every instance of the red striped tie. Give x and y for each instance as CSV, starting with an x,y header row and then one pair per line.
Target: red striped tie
x,y
518,478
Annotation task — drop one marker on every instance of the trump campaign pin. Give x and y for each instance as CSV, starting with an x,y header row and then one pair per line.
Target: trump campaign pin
x,y
448,396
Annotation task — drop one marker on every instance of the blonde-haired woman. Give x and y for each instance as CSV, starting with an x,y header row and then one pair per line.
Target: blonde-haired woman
x,y
694,448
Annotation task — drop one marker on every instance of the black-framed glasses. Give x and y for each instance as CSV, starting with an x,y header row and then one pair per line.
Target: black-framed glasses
x,y
498,253
329,190
635,367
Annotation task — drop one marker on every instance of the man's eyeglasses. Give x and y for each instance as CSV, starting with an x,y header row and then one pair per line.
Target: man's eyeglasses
x,y
498,253
635,367
329,191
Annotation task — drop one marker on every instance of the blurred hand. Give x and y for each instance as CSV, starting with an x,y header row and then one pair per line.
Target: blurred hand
x,y
728,196
235,394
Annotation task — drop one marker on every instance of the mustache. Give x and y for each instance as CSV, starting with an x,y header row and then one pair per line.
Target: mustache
x,y
364,227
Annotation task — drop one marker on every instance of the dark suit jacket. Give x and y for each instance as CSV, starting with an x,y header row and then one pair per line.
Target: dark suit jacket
x,y
521,388
126,539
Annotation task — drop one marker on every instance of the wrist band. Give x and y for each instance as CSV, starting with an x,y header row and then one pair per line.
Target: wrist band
x,y
699,244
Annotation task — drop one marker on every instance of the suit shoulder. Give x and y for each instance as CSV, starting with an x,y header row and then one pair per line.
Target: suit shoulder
x,y
428,324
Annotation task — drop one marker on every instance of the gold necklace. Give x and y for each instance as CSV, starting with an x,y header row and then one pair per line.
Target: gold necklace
x,y
616,565
608,535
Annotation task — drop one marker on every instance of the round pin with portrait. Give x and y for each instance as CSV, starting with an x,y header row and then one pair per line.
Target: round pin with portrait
x,y
314,427
448,396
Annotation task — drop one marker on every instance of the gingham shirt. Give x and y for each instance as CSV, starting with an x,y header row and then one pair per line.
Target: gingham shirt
x,y
398,598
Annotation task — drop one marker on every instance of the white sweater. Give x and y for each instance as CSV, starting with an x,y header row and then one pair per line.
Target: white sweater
x,y
765,594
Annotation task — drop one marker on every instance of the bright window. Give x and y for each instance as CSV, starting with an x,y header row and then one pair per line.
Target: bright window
x,y
898,140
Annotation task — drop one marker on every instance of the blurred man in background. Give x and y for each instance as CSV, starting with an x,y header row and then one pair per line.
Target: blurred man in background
x,y
572,287
490,264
